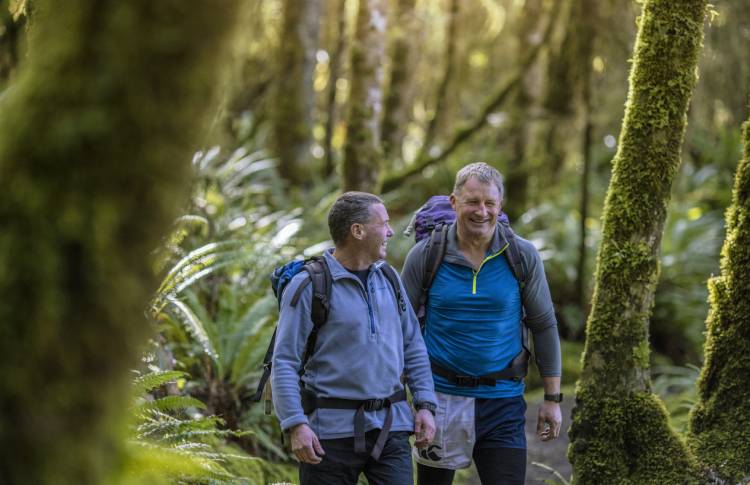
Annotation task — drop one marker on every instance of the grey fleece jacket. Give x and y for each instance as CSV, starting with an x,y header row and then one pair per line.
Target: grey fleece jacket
x,y
361,352
540,314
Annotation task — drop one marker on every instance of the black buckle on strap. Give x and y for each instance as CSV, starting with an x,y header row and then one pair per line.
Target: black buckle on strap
x,y
467,381
375,404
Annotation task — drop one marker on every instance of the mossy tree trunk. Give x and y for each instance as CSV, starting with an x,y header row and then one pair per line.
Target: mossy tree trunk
x,y
95,141
362,150
294,96
620,432
396,110
719,421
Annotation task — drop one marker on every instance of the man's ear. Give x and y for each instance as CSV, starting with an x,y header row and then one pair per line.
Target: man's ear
x,y
452,198
357,231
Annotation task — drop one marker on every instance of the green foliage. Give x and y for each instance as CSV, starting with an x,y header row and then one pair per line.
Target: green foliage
x,y
171,442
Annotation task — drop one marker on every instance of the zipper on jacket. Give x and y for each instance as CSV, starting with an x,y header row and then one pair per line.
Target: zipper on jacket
x,y
474,281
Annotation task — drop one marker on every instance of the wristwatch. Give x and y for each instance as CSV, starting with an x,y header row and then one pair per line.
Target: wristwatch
x,y
554,397
431,407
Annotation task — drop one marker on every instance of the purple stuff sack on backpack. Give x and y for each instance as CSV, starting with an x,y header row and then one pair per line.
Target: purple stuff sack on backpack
x,y
436,211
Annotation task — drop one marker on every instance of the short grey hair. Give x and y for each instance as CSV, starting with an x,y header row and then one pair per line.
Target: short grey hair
x,y
482,172
350,208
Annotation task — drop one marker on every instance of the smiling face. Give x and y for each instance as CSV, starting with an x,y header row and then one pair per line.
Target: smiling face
x,y
375,233
477,206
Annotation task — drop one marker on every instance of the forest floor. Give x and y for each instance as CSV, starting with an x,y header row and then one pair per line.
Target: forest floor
x,y
553,454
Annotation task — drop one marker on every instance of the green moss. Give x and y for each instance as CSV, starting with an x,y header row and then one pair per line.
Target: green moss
x,y
719,421
95,141
626,440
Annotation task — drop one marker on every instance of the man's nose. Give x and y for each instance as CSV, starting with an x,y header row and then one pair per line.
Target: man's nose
x,y
389,231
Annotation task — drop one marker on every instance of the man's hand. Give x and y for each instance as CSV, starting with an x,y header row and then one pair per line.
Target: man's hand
x,y
305,445
424,428
549,421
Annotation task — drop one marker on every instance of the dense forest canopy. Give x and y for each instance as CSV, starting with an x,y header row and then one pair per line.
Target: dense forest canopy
x,y
159,159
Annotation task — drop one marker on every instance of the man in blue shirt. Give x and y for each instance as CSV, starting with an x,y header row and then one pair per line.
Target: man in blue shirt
x,y
354,417
473,330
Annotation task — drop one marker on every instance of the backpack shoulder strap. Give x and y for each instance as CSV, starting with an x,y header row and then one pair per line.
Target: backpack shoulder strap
x,y
320,278
435,252
513,256
392,277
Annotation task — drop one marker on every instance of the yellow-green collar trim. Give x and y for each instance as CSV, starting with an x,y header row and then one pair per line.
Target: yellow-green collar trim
x,y
474,281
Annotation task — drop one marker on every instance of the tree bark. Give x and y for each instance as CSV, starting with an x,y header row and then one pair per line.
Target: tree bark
x,y
396,111
620,432
362,151
295,98
95,141
719,421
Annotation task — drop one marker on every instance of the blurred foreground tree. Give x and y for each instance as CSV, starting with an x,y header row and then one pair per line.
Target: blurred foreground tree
x,y
620,432
362,150
719,421
95,140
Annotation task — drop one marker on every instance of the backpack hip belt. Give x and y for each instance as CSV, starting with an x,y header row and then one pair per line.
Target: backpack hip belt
x,y
515,371
310,402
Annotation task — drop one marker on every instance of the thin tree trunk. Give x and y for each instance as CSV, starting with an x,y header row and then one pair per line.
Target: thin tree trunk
x,y
586,37
293,110
441,95
719,421
95,146
396,111
517,173
335,73
620,432
362,151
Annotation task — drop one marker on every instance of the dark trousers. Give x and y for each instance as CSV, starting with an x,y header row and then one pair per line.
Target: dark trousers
x,y
495,466
342,466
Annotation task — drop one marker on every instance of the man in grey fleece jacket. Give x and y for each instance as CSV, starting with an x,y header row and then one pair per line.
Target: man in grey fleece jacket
x,y
361,352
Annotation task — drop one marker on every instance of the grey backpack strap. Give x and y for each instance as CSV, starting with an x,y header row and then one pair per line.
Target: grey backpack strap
x,y
392,277
435,253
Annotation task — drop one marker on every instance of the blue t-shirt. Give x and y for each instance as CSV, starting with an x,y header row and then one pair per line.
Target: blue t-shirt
x,y
474,324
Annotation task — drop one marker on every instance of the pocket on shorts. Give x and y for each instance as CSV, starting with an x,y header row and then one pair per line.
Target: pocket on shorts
x,y
454,435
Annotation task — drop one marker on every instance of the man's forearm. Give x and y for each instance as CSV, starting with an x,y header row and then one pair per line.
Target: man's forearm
x,y
551,384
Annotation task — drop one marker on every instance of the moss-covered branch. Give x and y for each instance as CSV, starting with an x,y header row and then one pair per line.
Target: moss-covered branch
x,y
96,136
615,384
720,420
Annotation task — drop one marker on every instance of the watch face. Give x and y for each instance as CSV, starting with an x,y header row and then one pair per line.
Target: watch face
x,y
553,397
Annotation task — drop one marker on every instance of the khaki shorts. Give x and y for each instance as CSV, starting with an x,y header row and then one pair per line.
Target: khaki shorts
x,y
455,434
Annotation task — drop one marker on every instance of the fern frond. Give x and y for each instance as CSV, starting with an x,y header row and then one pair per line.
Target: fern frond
x,y
148,382
194,326
169,403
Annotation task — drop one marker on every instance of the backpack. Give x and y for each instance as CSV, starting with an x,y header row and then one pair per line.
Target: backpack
x,y
433,220
320,278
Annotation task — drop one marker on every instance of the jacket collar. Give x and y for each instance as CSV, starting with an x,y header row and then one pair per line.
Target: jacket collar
x,y
338,271
496,245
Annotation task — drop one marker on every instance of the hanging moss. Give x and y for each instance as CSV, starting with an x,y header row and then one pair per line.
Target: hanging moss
x,y
96,135
617,419
719,421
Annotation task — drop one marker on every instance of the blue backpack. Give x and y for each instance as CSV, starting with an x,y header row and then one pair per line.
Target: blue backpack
x,y
320,278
